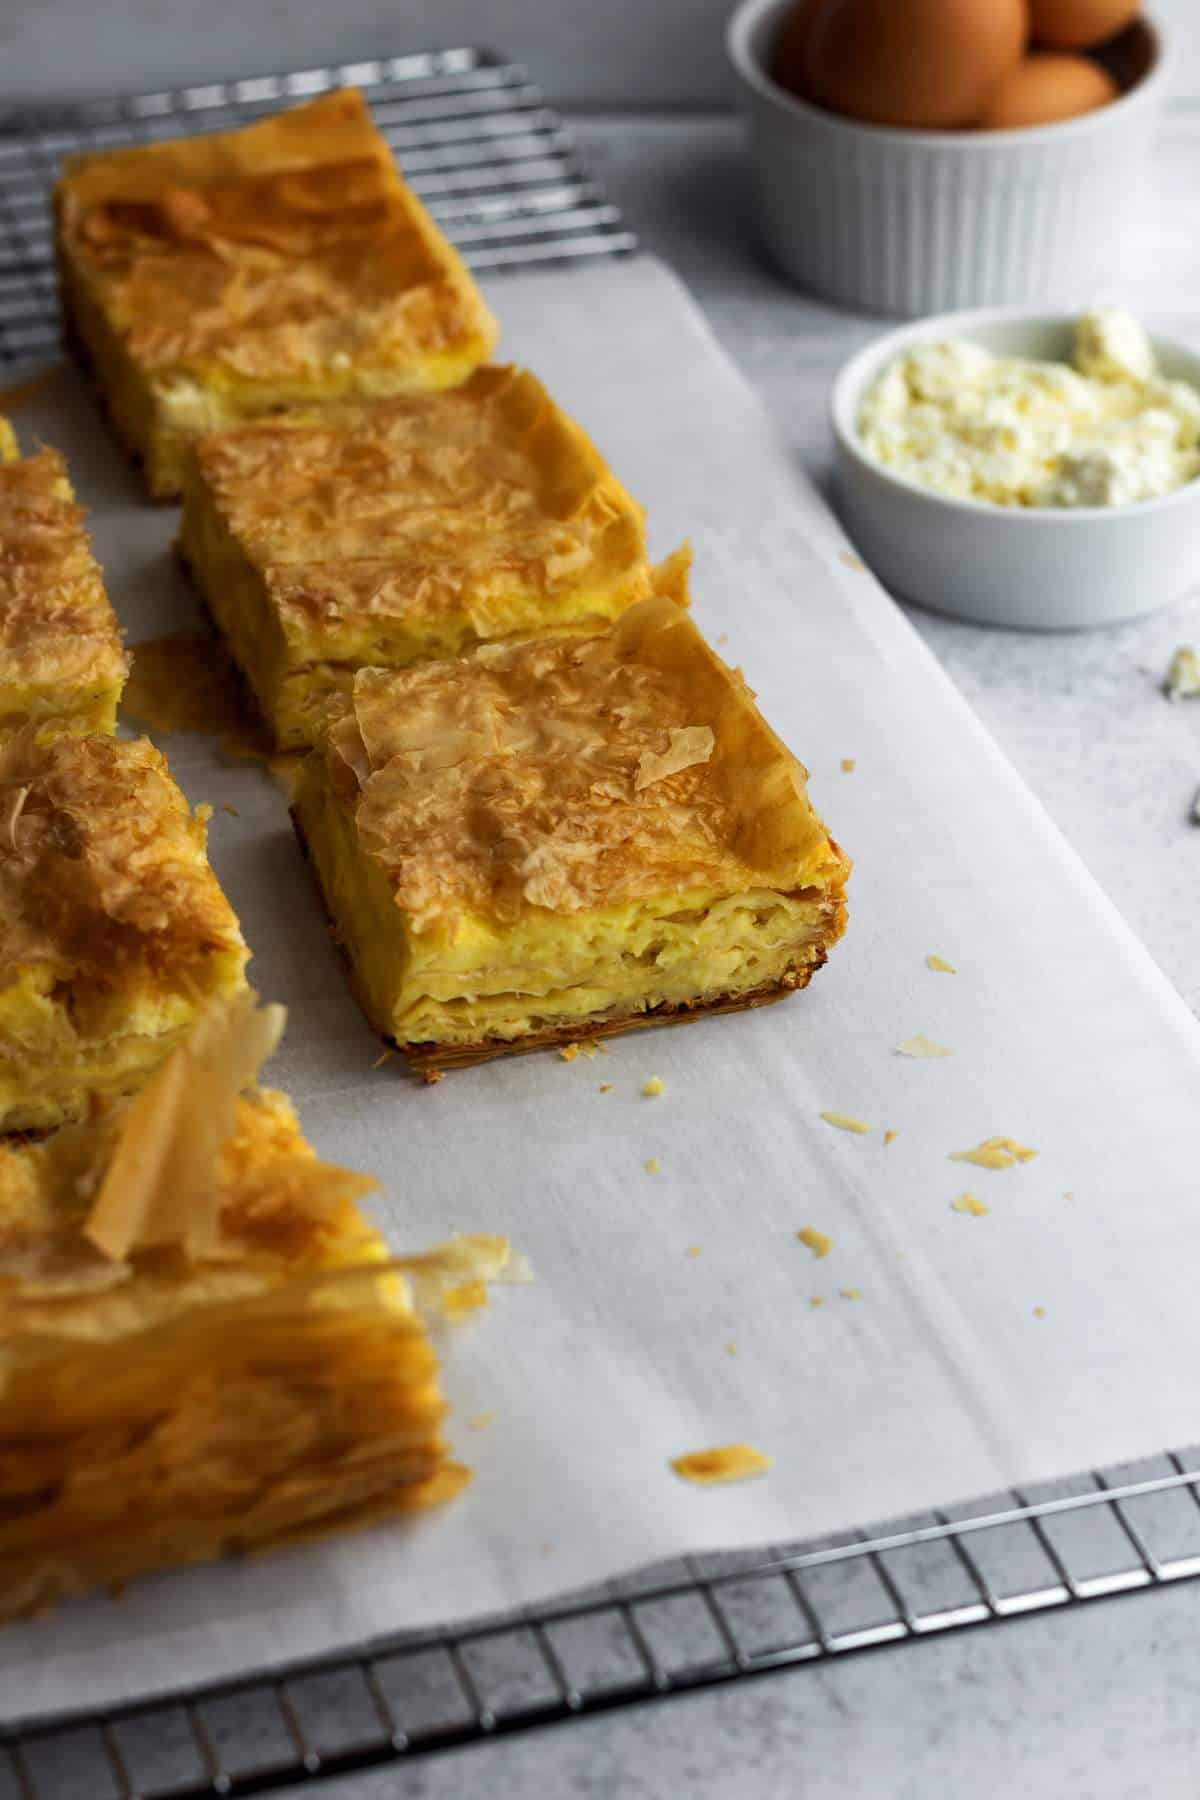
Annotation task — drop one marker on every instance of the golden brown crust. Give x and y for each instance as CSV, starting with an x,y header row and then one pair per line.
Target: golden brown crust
x,y
57,630
510,779
168,1395
268,253
431,1060
419,506
102,870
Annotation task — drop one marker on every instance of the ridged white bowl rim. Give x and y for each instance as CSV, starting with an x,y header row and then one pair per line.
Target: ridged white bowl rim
x,y
854,377
747,16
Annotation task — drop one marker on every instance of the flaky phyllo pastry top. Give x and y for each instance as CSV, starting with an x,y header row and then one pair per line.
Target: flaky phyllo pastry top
x,y
268,252
101,1223
57,629
103,875
569,773
427,504
200,1191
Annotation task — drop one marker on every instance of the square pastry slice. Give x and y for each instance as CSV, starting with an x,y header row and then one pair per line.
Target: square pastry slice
x,y
394,530
565,837
113,929
203,1345
61,660
212,278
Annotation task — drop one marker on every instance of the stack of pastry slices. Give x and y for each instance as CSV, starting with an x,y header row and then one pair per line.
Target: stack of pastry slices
x,y
537,806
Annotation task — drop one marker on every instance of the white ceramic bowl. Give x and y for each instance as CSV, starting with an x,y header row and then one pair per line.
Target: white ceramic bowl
x,y
914,222
1040,568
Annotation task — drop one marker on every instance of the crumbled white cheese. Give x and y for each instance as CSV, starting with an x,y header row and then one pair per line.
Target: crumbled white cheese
x,y
1182,679
1111,345
964,422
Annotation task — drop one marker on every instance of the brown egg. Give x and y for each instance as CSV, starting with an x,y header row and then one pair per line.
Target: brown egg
x,y
924,63
790,52
1080,24
1045,87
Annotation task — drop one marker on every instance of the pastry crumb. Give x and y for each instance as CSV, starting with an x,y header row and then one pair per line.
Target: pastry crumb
x,y
431,1077
844,1122
385,1055
724,638
850,1293
847,765
995,1153
728,1462
815,1240
652,1165
227,806
920,1045
693,1250
1182,679
816,1300
654,1087
967,1203
939,965
686,746
479,1421
605,1087
1039,1312
851,561
457,1302
889,1137
568,1052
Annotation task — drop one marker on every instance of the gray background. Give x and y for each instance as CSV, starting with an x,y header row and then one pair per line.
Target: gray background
x,y
1097,1705
583,52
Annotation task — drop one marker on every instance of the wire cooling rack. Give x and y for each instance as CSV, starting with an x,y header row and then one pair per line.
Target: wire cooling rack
x,y
492,162
496,168
674,1629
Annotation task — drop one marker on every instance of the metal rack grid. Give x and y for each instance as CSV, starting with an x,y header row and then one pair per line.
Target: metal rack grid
x,y
492,162
496,168
692,1624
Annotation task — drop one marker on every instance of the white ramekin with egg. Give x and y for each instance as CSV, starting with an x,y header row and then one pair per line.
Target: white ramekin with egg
x,y
1032,470
892,217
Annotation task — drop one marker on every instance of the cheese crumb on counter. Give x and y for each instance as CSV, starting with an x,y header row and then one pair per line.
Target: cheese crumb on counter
x,y
850,1293
728,1462
847,765
652,1165
889,1137
939,965
1182,679
815,1240
654,1087
1109,429
843,1122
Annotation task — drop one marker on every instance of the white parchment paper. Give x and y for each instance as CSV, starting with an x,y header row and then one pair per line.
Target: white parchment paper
x,y
938,1383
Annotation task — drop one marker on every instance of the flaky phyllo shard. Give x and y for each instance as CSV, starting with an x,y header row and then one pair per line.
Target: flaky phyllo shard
x,y
231,274
389,531
204,1346
62,666
114,931
544,840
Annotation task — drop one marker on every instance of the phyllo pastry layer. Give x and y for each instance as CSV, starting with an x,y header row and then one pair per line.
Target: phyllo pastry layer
x,y
389,531
203,1347
113,929
566,836
61,661
212,278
